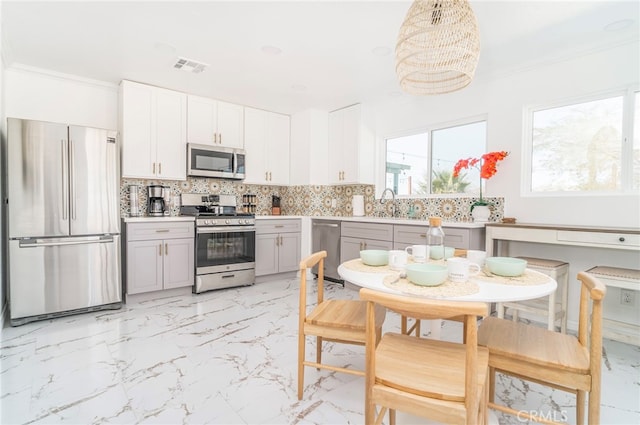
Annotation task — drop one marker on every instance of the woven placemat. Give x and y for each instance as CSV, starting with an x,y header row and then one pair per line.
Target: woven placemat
x,y
358,266
529,277
446,290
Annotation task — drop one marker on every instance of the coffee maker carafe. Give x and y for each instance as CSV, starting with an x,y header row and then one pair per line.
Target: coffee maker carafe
x,y
157,206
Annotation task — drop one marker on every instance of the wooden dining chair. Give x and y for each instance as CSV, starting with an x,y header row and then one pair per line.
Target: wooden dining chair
x,y
439,380
557,360
334,320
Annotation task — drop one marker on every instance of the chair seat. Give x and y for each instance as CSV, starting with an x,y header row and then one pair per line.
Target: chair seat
x,y
400,363
345,314
535,345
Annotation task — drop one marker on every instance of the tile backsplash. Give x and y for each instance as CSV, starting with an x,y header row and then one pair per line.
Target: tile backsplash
x,y
315,200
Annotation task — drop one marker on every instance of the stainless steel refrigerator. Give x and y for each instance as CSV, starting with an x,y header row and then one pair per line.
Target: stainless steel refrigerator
x,y
63,187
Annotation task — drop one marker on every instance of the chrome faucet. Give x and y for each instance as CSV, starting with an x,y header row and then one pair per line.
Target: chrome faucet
x,y
393,200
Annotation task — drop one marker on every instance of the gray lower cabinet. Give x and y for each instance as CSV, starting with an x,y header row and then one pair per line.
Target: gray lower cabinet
x,y
159,256
277,246
457,237
357,236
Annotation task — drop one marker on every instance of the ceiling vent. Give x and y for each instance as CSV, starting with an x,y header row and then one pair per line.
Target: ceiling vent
x,y
190,65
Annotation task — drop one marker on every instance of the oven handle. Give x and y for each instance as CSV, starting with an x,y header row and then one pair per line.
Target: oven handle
x,y
225,229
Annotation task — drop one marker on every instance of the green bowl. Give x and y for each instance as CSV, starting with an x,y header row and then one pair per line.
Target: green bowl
x,y
435,252
506,266
427,274
374,257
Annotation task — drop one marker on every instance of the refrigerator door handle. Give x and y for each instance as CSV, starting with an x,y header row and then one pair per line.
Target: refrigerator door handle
x,y
72,179
65,187
37,243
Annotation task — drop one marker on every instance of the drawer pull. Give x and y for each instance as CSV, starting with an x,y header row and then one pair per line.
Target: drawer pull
x,y
279,226
621,239
162,231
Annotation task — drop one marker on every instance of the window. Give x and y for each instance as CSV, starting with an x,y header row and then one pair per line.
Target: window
x,y
421,164
580,147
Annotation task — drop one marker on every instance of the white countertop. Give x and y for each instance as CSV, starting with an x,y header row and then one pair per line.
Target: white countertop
x,y
405,221
277,217
147,219
383,220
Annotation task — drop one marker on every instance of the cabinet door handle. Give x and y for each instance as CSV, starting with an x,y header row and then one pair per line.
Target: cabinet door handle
x,y
281,241
159,168
270,177
166,249
154,168
220,137
266,175
160,250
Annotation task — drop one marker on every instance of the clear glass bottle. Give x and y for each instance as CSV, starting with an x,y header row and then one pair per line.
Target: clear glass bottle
x,y
435,239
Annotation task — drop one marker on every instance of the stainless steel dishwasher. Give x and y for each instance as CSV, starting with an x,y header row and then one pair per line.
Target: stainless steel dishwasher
x,y
325,235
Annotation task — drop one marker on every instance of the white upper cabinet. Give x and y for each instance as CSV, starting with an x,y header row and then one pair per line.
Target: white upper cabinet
x,y
351,148
266,143
212,122
154,132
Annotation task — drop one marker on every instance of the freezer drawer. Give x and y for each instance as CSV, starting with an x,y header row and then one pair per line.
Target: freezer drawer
x,y
54,275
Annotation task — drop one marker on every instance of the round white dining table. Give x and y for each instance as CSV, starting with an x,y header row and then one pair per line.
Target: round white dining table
x,y
489,291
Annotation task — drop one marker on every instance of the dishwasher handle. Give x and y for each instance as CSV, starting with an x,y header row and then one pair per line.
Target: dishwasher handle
x,y
325,225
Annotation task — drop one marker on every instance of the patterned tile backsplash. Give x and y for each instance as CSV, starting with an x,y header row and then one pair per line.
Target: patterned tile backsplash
x,y
327,201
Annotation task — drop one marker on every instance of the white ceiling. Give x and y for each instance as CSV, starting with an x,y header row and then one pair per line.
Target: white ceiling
x,y
326,58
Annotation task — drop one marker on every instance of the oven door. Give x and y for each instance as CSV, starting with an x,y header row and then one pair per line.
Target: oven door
x,y
225,248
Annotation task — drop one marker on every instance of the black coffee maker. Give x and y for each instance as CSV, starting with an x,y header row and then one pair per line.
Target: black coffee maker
x,y
156,206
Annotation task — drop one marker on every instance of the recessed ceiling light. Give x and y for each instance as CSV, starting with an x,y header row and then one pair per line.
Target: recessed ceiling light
x,y
271,50
299,87
381,51
619,25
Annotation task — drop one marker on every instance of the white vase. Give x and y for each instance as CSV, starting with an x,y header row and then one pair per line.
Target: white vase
x,y
481,213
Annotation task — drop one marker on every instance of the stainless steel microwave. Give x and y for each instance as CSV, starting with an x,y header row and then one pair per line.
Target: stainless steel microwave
x,y
215,161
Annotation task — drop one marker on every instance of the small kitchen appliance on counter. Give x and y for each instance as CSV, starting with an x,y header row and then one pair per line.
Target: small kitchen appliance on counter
x,y
225,242
275,205
157,205
134,200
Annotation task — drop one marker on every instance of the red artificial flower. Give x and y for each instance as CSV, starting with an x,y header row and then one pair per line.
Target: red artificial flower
x,y
486,164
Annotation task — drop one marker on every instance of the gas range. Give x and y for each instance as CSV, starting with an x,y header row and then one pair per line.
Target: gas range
x,y
214,210
225,241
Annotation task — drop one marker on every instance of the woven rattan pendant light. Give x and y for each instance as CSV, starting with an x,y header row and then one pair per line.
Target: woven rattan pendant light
x,y
438,47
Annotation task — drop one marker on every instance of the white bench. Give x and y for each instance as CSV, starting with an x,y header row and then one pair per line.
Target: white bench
x,y
628,279
553,307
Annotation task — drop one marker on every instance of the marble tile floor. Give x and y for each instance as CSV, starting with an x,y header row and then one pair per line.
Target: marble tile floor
x,y
226,357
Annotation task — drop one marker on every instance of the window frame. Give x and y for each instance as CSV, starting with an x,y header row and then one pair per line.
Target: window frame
x,y
428,129
628,94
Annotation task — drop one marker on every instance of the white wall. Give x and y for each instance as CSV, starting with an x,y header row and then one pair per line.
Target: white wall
x,y
503,100
3,243
47,96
